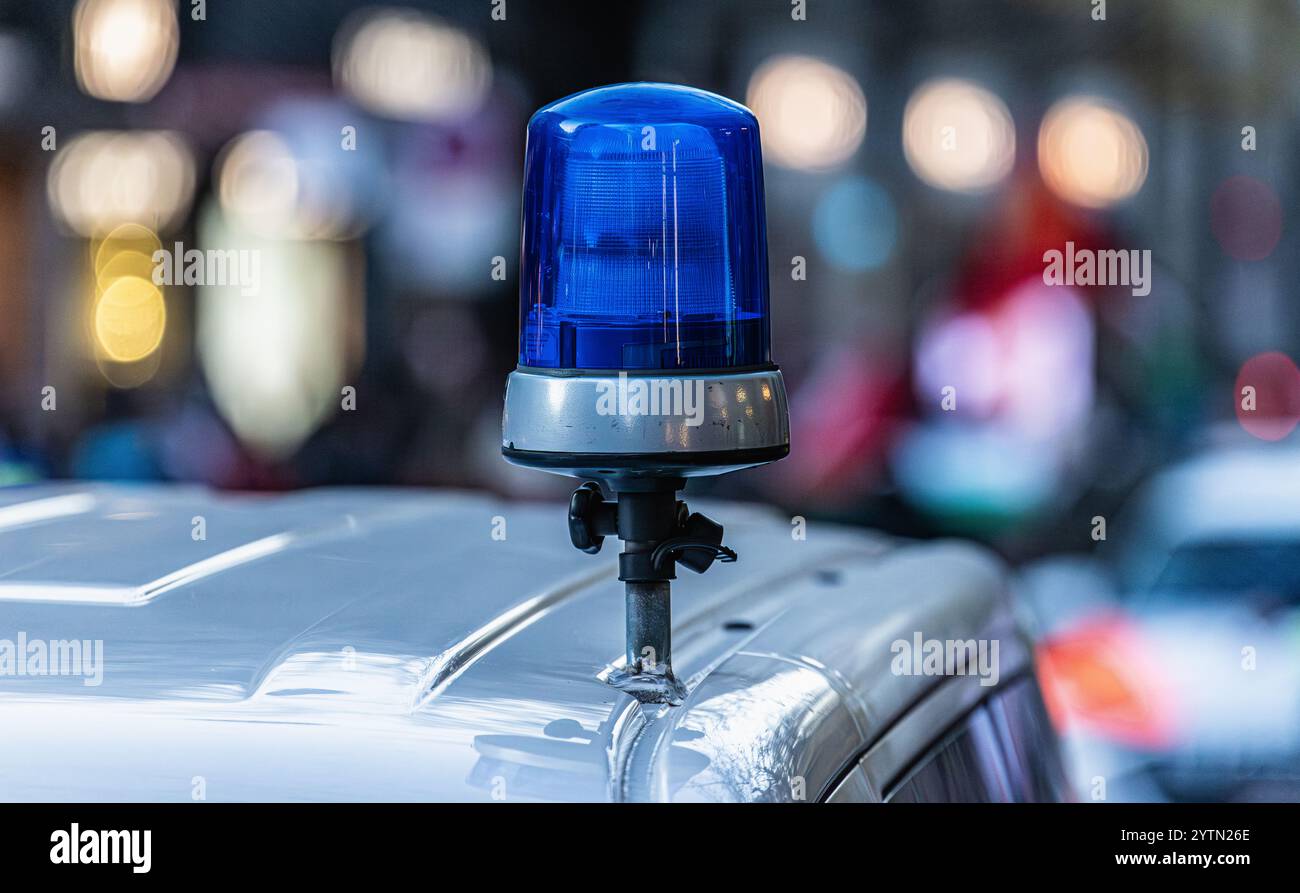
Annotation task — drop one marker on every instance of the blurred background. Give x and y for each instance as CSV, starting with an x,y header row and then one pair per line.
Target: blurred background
x,y
921,158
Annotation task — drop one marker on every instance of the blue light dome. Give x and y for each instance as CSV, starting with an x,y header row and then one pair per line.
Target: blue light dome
x,y
644,235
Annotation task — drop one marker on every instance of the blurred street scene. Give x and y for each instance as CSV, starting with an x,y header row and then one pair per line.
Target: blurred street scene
x,y
1033,268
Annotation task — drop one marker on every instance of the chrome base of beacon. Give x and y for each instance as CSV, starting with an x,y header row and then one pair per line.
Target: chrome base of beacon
x,y
644,424
637,438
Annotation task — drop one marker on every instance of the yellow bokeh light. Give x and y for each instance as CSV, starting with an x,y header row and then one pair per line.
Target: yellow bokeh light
x,y
812,115
128,375
122,264
129,237
130,317
1090,153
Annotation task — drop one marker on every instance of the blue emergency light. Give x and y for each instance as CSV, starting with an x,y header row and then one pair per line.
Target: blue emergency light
x,y
644,252
644,242
643,334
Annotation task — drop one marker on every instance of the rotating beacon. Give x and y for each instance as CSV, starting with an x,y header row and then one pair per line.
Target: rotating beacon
x,y
644,355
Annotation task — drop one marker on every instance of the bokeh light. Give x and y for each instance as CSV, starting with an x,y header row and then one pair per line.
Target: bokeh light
x,y
1026,362
812,114
1267,396
958,136
124,263
257,180
973,477
104,178
124,49
1090,153
404,64
1021,372
108,254
283,188
855,224
275,359
128,312
130,317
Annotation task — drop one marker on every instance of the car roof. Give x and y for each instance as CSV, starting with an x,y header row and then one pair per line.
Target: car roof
x,y
1238,491
1241,493
353,644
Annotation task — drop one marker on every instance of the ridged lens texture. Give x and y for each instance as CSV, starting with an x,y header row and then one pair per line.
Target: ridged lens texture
x,y
644,238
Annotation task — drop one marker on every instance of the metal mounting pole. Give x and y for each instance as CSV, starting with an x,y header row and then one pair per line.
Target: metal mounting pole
x,y
649,627
647,674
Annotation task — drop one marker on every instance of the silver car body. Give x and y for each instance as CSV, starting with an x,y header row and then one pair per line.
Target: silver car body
x,y
353,644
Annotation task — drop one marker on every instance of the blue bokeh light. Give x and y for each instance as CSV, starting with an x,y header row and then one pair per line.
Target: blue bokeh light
x,y
855,225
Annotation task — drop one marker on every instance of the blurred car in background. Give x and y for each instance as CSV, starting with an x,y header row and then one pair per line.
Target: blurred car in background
x,y
1171,659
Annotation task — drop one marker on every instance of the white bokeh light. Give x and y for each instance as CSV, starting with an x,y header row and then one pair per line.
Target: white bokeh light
x,y
124,50
812,115
958,136
1090,153
407,65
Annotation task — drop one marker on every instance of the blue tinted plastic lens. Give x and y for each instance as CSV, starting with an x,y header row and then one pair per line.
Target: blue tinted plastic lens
x,y
645,243
636,219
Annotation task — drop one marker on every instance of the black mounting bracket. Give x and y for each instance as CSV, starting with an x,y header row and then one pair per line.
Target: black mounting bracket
x,y
658,532
684,537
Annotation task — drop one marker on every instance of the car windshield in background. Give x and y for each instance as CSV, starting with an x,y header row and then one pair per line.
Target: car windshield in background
x,y
1262,575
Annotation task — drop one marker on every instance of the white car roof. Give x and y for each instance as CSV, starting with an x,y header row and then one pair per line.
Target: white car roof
x,y
1236,492
1242,493
353,644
